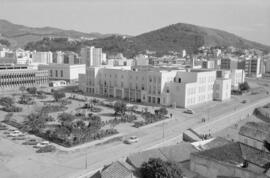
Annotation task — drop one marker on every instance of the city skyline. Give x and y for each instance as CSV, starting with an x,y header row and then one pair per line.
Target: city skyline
x,y
248,19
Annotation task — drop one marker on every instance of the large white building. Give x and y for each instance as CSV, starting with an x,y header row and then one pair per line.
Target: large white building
x,y
154,85
69,73
92,56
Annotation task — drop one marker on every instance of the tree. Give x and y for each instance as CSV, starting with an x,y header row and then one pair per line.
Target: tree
x,y
32,90
157,168
244,86
58,95
120,107
6,101
22,89
66,117
162,111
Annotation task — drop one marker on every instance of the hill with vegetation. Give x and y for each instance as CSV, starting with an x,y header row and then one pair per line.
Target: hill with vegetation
x,y
175,37
20,35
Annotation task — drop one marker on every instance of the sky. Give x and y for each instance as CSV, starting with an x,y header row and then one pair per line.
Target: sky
x,y
247,18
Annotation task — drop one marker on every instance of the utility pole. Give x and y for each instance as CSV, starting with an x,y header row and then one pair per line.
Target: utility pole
x,y
86,161
163,134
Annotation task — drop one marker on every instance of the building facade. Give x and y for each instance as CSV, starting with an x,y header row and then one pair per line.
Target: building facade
x,y
67,72
15,78
42,57
150,85
92,56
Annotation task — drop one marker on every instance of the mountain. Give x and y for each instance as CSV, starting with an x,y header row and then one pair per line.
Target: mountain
x,y
175,37
20,35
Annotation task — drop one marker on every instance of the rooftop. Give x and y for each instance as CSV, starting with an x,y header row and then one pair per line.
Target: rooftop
x,y
256,130
236,154
177,153
116,170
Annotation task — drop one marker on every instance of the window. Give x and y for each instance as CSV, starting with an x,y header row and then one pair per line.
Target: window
x,y
56,73
51,73
62,73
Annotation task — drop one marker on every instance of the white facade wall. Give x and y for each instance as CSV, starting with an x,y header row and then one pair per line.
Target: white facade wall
x,y
222,89
177,88
64,71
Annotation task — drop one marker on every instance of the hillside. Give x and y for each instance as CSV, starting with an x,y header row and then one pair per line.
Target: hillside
x,y
175,37
20,35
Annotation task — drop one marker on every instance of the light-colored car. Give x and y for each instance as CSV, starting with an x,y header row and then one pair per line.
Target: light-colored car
x,y
189,111
15,134
132,139
42,144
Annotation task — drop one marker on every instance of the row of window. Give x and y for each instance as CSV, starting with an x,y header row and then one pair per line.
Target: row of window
x,y
56,73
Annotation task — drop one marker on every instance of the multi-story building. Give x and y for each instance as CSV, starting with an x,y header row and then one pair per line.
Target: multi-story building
x,y
151,85
42,57
253,67
222,87
92,56
237,76
67,72
210,64
58,57
71,58
15,76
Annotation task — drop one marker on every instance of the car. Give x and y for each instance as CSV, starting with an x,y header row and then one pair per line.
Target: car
x,y
132,139
16,134
189,111
42,144
30,142
244,101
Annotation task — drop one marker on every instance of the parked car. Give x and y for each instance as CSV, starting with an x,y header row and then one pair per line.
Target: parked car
x,y
189,111
16,134
132,139
244,101
46,149
42,144
30,142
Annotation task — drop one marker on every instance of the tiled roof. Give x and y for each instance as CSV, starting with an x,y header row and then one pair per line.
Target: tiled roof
x,y
217,142
177,153
116,170
230,153
236,154
256,130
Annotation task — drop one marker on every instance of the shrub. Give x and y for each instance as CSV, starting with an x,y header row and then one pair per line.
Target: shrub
x,y
6,101
58,95
46,149
32,90
138,124
120,107
12,109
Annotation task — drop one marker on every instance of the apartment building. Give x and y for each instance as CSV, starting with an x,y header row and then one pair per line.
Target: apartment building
x,y
253,67
222,86
68,72
92,56
210,64
151,85
42,57
17,76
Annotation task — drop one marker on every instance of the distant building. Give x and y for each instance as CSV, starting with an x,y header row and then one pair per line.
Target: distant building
x,y
208,64
141,60
253,67
58,57
67,72
42,57
222,87
92,56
